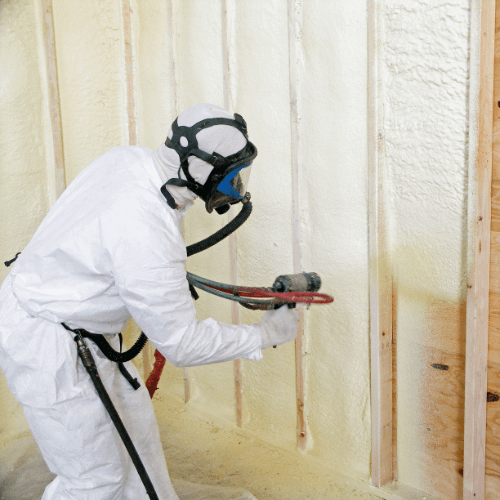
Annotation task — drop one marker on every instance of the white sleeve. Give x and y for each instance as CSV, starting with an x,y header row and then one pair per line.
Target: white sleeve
x,y
148,267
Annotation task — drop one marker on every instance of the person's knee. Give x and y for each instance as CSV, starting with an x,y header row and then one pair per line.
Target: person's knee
x,y
108,480
100,482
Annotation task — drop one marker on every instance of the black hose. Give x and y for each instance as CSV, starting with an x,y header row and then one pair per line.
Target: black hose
x,y
90,366
107,350
248,302
222,233
119,357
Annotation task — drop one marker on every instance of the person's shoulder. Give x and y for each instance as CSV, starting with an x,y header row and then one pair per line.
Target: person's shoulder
x,y
127,153
131,186
123,166
137,214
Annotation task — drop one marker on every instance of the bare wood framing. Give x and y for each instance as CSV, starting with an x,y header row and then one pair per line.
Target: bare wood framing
x,y
476,363
380,272
492,465
238,391
300,385
147,360
233,258
175,107
187,386
394,383
54,105
129,71
235,317
294,28
147,355
171,39
225,59
235,313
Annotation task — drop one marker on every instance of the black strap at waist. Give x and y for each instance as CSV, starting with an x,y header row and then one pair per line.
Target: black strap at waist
x,y
118,357
107,350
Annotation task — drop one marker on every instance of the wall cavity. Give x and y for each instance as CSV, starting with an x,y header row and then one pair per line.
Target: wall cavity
x,y
426,76
92,79
28,187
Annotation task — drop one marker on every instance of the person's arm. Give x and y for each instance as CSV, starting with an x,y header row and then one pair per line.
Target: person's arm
x,y
147,255
160,302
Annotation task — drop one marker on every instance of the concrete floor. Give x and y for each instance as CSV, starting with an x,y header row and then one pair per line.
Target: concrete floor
x,y
198,450
227,462
24,475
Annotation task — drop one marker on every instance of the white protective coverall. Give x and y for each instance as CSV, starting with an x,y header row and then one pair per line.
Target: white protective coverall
x,y
109,249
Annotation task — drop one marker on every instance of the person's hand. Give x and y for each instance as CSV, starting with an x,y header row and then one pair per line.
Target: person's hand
x,y
278,326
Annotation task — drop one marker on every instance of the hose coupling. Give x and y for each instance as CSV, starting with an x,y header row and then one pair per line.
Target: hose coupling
x,y
84,353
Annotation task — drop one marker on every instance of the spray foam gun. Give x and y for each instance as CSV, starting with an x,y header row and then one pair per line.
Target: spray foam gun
x,y
287,289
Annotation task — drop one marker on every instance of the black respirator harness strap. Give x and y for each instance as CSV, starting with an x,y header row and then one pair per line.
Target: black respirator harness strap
x,y
192,149
126,374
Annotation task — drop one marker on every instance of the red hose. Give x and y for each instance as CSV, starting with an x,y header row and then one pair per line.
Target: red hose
x,y
286,297
294,297
243,291
154,376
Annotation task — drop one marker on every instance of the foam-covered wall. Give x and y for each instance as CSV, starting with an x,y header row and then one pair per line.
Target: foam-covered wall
x,y
297,72
26,186
332,201
90,72
425,56
91,76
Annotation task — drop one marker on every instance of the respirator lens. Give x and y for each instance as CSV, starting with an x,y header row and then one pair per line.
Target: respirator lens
x,y
231,189
235,182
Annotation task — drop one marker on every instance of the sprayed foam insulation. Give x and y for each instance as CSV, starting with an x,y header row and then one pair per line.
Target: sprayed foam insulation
x,y
265,241
155,106
334,184
92,83
197,39
425,70
27,184
154,80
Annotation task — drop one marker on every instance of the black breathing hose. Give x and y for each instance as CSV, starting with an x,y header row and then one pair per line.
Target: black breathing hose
x,y
224,232
90,366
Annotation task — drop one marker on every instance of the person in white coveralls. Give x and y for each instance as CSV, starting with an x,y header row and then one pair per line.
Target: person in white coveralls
x,y
108,250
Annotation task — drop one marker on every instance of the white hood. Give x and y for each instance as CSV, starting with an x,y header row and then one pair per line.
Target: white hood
x,y
223,139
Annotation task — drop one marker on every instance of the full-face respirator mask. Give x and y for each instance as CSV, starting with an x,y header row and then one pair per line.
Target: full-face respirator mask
x,y
227,182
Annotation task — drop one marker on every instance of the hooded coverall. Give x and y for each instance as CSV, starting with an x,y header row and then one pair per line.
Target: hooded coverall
x,y
109,249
